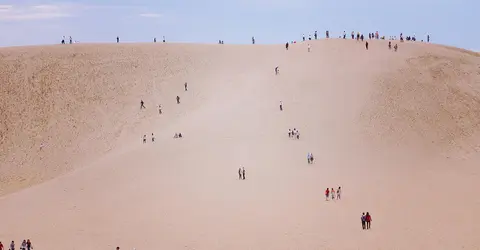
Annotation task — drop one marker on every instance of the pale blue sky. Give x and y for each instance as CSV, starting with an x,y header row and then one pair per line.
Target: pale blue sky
x,y
22,22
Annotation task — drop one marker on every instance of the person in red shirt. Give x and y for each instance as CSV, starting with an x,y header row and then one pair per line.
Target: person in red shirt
x,y
327,192
368,219
1,246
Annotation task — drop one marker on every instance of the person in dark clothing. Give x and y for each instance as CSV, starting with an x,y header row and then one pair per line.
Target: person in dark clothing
x,y
253,40
154,39
144,138
243,173
363,221
239,173
178,99
186,86
286,46
141,104
366,45
428,38
368,219
118,39
153,138
315,35
281,106
159,109
29,245
389,45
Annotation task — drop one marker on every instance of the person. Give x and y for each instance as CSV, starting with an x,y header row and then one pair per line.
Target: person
x,y
118,39
118,248
290,133
308,47
141,104
243,173
286,45
315,35
368,219
239,173
29,245
276,70
344,35
175,136
178,99
180,135
389,44
327,34
144,138
1,246
363,221
327,192
159,109
298,134
308,158
163,39
24,245
71,41
303,37
361,37
12,245
333,194
311,158
253,40
366,45
428,38
281,106
153,138
186,86
339,193
395,47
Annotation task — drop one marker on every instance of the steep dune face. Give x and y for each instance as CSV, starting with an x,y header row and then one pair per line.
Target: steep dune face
x,y
376,122
431,102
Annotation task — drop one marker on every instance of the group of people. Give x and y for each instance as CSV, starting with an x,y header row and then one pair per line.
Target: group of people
x,y
178,135
145,140
26,245
331,193
64,41
295,134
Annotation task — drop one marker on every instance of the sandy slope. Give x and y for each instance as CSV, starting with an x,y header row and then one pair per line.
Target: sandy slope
x,y
398,131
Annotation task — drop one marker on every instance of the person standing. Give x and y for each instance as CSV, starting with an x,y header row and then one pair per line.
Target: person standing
x,y
29,245
333,194
327,192
339,193
366,45
243,173
368,219
281,106
118,39
178,99
308,47
12,245
363,221
186,86
239,173
153,138
159,109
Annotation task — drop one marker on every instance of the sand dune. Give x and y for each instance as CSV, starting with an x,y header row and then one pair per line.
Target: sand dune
x,y
399,131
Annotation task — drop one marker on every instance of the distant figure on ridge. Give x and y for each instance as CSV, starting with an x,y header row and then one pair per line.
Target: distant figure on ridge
x,y
253,40
303,37
327,34
178,99
344,35
154,39
164,39
141,104
315,35
118,39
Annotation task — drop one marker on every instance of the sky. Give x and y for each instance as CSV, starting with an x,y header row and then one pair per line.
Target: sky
x,y
32,22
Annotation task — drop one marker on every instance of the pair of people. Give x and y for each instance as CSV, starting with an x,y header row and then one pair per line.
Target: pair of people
x,y
310,158
366,220
179,135
241,173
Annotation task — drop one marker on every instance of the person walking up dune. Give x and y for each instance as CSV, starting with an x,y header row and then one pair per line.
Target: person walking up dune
x,y
363,218
153,138
368,219
142,106
178,99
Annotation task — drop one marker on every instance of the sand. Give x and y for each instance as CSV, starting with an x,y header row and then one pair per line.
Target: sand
x,y
399,132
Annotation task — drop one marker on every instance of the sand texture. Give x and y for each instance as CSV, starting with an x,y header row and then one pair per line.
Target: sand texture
x,y
398,131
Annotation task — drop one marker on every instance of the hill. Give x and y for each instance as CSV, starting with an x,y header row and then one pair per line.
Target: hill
x,y
397,130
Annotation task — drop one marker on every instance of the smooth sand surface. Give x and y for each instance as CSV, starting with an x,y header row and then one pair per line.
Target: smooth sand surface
x,y
398,131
